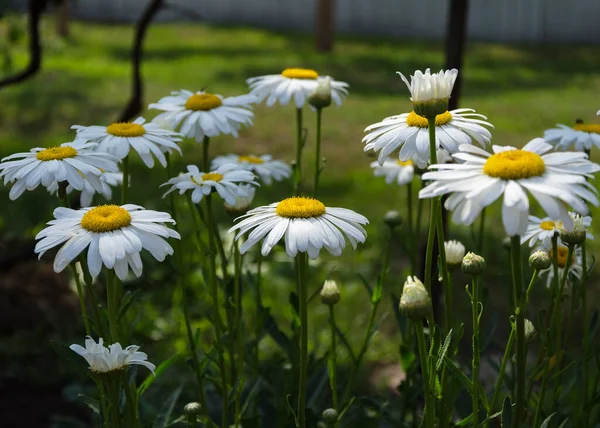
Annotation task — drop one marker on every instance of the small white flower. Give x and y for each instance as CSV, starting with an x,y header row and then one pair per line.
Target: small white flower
x,y
296,83
203,114
73,163
427,86
455,251
540,231
394,171
263,166
108,180
581,136
146,139
243,201
226,180
114,234
104,360
305,224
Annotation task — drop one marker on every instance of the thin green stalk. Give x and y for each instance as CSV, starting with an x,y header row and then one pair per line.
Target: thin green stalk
x,y
481,234
554,323
318,152
444,268
105,413
205,158
258,304
411,232
131,403
517,276
556,280
89,283
299,144
333,356
429,395
534,277
125,186
540,403
112,305
419,215
217,315
585,330
500,380
80,293
239,334
302,263
476,356
192,421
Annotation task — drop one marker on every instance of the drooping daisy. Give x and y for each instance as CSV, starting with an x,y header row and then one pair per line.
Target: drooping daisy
x,y
540,231
296,83
102,359
114,234
264,166
226,180
203,114
409,132
581,136
147,139
305,224
575,269
553,179
73,163
108,180
394,171
425,87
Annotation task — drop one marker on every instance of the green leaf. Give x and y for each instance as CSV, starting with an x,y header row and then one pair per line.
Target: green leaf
x,y
365,283
546,422
443,351
346,344
456,372
163,417
126,302
506,413
157,372
564,423
377,292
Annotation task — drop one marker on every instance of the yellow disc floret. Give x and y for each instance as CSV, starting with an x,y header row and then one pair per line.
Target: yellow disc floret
x,y
562,254
212,176
300,207
300,73
250,159
404,163
203,102
550,225
105,218
414,119
125,129
594,128
56,153
514,165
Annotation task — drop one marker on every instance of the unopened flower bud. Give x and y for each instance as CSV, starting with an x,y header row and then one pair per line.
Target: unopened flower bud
x,y
530,331
192,409
242,203
472,264
431,108
330,293
330,416
392,219
455,251
577,235
321,96
540,260
415,302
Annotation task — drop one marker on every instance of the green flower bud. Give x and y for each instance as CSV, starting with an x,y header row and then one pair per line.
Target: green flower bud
x,y
530,331
415,302
192,409
330,293
577,235
392,219
473,264
455,251
540,260
330,416
321,96
431,108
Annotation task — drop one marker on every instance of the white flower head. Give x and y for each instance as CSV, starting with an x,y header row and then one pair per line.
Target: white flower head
x,y
202,114
102,359
113,235
410,133
107,179
147,139
226,180
242,201
581,136
293,83
306,225
553,179
73,163
427,86
455,251
394,171
541,230
267,169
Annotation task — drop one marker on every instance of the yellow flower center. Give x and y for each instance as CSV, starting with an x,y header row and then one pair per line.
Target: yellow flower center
x,y
126,129
300,73
550,225
300,207
593,128
105,218
56,153
212,176
514,165
404,163
250,159
203,102
414,119
563,253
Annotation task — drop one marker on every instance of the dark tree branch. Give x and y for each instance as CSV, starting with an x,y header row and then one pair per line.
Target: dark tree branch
x,y
182,10
134,106
456,35
35,9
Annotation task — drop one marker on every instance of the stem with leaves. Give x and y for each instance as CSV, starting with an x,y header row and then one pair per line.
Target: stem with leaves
x,y
517,277
475,362
429,394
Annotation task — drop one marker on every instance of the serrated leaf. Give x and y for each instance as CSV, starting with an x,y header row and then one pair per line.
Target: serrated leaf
x,y
163,417
456,372
546,422
443,351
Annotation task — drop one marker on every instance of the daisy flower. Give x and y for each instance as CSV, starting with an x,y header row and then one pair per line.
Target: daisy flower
x,y
455,251
73,163
107,179
394,171
296,83
226,180
575,272
202,114
114,234
581,136
102,359
425,87
553,179
540,231
305,224
264,166
410,133
146,139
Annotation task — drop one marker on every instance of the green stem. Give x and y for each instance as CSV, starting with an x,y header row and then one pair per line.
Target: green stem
x,y
554,322
481,234
530,286
299,147
105,411
205,158
125,186
80,293
499,381
444,268
411,232
258,305
318,152
475,369
585,330
517,276
239,334
217,315
192,421
333,356
556,280
302,264
429,396
540,404
112,306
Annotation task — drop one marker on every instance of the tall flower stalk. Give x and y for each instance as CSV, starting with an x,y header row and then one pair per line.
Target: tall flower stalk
x,y
517,276
302,275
